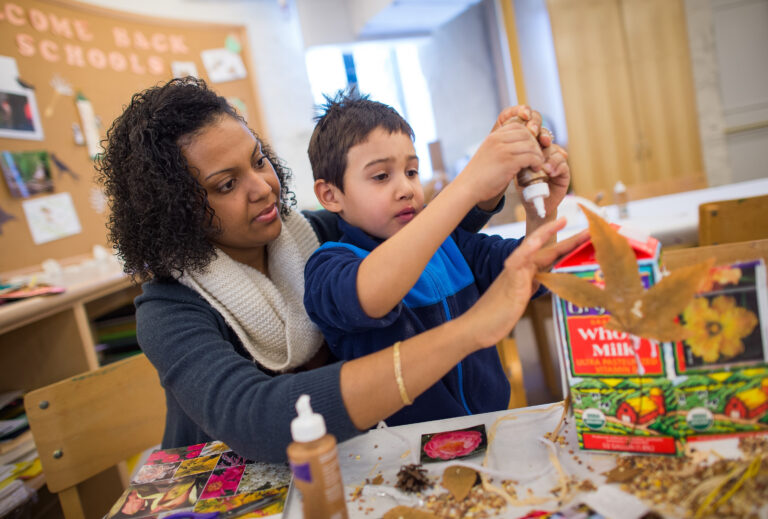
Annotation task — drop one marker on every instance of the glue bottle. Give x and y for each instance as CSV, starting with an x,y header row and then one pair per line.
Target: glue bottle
x,y
620,198
315,465
535,184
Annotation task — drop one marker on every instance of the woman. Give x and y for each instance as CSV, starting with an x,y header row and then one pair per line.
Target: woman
x,y
202,210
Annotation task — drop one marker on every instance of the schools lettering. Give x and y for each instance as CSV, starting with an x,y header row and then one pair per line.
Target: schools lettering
x,y
63,37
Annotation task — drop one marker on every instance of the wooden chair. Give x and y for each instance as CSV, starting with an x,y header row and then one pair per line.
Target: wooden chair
x,y
93,421
729,221
513,368
723,254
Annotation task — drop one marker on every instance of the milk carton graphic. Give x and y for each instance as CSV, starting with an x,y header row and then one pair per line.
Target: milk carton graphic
x,y
622,398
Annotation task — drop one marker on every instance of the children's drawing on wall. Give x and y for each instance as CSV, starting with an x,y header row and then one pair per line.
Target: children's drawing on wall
x,y
184,68
223,65
26,173
51,217
239,105
19,117
98,200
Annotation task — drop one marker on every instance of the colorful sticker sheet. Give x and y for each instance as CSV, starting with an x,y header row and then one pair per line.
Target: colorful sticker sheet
x,y
207,477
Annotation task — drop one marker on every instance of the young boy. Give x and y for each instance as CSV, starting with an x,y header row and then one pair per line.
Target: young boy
x,y
401,268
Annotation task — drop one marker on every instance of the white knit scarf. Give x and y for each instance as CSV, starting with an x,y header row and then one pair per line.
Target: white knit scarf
x,y
266,313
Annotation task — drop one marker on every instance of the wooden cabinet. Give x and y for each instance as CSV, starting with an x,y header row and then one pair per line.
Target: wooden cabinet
x,y
627,86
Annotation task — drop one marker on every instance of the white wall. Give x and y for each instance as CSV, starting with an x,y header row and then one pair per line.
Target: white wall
x,y
274,38
539,63
741,37
457,63
729,42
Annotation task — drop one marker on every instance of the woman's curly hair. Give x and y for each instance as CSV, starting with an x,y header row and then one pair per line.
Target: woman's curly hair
x,y
161,222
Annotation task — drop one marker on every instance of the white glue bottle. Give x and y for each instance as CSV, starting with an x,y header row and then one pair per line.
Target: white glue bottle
x,y
315,465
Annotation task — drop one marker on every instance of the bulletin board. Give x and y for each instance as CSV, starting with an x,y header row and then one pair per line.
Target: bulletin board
x,y
66,71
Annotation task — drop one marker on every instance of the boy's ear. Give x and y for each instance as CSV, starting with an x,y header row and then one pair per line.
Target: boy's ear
x,y
328,195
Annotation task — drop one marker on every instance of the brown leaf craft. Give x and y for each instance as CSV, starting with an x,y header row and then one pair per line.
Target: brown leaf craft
x,y
459,481
645,313
406,512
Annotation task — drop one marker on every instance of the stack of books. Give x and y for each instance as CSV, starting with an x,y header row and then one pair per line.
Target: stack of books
x,y
20,469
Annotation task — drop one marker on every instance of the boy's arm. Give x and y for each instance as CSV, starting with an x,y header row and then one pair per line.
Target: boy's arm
x,y
391,270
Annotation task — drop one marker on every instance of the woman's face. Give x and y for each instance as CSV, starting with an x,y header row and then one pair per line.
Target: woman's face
x,y
242,186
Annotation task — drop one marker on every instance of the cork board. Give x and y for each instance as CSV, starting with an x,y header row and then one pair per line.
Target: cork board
x,y
60,49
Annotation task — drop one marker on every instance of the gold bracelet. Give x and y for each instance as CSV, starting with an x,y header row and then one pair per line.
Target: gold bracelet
x,y
399,375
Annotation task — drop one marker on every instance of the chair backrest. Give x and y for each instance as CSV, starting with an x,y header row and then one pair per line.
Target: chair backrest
x,y
729,221
723,254
92,421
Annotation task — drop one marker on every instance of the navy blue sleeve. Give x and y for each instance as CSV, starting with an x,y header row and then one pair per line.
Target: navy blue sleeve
x,y
331,300
214,392
477,218
484,254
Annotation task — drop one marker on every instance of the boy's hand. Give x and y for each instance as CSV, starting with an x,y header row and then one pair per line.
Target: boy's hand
x,y
503,153
532,121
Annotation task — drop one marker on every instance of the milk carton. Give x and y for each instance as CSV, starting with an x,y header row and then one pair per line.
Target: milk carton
x,y
622,398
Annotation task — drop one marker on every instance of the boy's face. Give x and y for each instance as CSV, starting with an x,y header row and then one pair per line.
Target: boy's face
x,y
382,191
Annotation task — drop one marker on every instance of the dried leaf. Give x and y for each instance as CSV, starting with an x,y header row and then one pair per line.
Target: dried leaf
x,y
459,481
406,512
619,266
621,474
644,313
574,289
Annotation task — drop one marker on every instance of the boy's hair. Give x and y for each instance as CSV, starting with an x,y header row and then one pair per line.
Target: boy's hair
x,y
345,121
161,222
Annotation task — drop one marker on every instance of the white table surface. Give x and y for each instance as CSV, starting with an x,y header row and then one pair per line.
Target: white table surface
x,y
672,219
517,451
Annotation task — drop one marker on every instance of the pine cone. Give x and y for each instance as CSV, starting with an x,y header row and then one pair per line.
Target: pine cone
x,y
412,478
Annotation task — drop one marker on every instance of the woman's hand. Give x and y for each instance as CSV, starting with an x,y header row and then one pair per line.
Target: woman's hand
x,y
500,308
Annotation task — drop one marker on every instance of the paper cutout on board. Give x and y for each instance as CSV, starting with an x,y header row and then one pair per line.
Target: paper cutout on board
x,y
63,168
77,135
223,65
51,217
89,124
98,200
19,117
233,43
26,173
184,68
5,218
60,88
239,106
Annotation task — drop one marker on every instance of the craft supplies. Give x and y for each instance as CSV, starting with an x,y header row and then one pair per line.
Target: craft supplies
x,y
315,465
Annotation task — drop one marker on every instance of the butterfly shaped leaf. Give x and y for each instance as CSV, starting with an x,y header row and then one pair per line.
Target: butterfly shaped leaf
x,y
634,310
